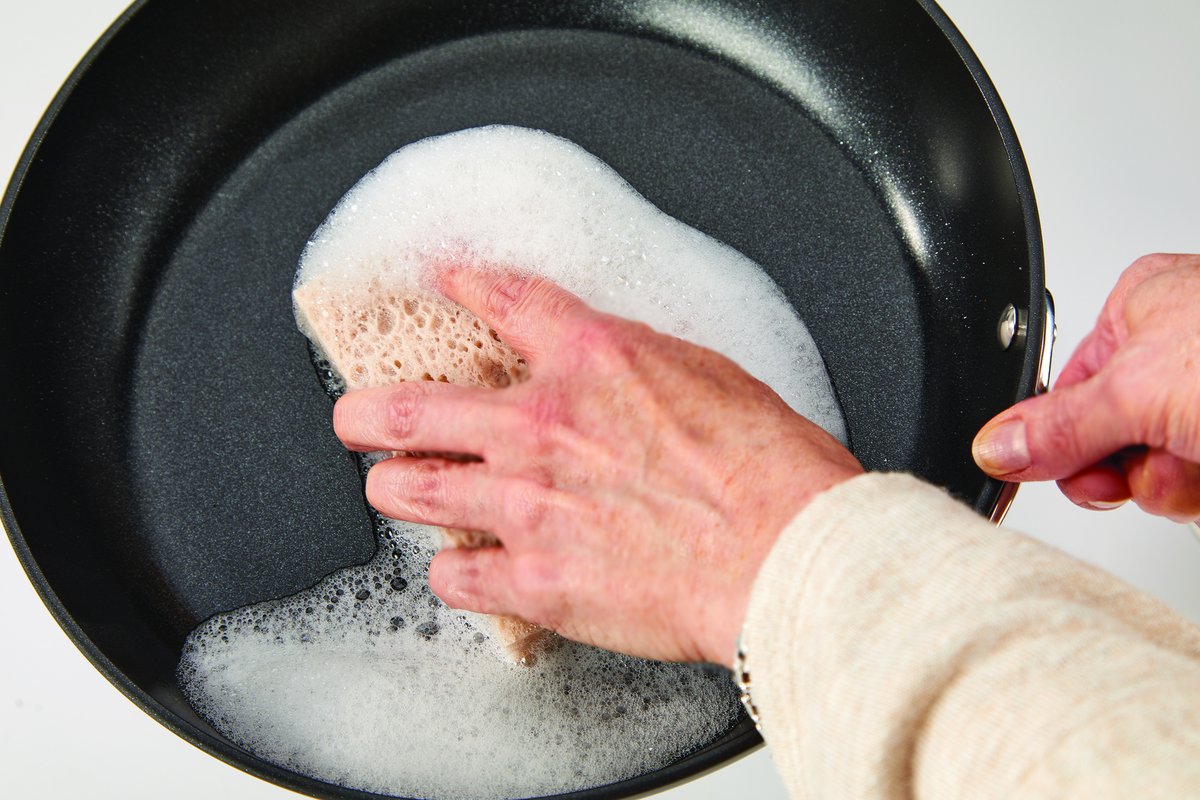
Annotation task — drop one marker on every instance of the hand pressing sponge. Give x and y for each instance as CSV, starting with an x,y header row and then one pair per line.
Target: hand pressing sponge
x,y
375,335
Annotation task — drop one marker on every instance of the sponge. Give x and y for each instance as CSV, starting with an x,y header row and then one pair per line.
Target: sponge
x,y
375,335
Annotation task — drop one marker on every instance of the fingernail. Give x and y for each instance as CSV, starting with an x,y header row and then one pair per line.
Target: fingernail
x,y
1106,505
1002,449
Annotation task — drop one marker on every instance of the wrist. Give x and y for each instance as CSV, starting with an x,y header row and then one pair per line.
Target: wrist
x,y
720,624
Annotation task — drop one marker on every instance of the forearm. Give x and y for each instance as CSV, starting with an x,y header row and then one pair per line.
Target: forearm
x,y
899,646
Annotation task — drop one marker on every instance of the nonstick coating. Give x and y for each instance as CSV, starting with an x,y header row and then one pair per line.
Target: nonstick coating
x,y
167,450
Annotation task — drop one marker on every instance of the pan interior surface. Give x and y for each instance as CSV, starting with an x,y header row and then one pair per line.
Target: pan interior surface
x,y
169,452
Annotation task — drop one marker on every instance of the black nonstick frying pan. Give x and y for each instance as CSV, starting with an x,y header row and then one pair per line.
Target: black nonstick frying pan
x,y
166,450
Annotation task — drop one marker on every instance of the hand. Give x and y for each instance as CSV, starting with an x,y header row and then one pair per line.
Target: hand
x,y
636,482
1124,418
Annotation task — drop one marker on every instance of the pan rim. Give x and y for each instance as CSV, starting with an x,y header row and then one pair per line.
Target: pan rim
x,y
999,496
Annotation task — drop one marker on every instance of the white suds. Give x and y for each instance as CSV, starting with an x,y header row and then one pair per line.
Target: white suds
x,y
528,200
367,680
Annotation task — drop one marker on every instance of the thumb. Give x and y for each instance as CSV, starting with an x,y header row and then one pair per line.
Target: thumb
x,y
1055,435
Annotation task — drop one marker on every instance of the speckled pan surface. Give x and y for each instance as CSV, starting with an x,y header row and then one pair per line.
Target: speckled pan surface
x,y
165,437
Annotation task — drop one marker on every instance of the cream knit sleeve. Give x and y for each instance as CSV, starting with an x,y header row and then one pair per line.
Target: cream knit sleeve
x,y
899,646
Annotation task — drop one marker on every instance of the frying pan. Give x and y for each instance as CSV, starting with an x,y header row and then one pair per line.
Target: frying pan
x,y
167,452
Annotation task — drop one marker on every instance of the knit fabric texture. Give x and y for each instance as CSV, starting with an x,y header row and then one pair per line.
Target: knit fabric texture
x,y
899,646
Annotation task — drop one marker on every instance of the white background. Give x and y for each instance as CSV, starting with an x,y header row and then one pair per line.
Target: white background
x,y
1105,96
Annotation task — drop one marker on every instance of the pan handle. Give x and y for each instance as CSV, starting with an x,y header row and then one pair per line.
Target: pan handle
x,y
1049,334
1008,491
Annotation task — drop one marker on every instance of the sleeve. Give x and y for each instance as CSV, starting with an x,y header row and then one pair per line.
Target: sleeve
x,y
899,646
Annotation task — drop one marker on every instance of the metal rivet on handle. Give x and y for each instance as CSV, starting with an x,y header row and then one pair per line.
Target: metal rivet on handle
x,y
1011,328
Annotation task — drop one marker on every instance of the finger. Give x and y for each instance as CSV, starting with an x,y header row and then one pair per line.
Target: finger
x,y
434,491
468,496
1101,487
1090,357
473,580
1165,485
1057,434
529,313
1112,327
423,416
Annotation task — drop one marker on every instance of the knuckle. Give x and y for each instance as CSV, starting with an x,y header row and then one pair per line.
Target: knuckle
x,y
424,487
503,296
601,331
525,507
1150,262
512,296
404,489
1148,266
471,582
403,408
1156,281
544,413
609,344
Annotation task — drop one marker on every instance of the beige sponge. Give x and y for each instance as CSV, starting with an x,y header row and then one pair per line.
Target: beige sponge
x,y
373,335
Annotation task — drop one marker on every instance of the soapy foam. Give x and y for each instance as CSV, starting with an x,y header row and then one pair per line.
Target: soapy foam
x,y
528,200
367,680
